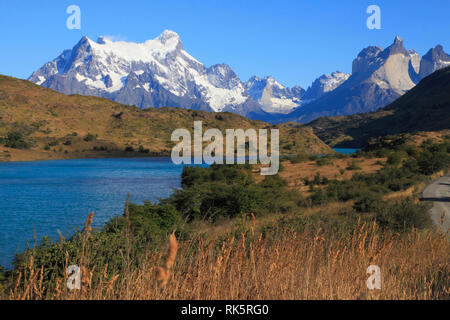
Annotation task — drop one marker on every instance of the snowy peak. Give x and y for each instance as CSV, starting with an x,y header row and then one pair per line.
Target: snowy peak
x,y
155,73
159,72
273,96
167,35
222,76
325,83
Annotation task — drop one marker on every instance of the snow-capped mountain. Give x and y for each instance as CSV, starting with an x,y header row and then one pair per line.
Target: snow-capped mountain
x,y
155,73
378,78
325,83
272,96
159,73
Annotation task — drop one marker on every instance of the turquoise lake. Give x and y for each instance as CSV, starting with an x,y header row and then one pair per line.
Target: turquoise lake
x,y
346,150
49,195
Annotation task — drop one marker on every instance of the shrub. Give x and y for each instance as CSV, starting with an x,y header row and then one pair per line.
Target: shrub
x,y
90,137
354,166
143,150
403,216
368,203
431,162
322,161
15,139
228,191
394,159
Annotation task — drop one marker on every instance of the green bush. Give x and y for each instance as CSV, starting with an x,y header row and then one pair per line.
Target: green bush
x,y
394,159
403,216
322,161
228,191
431,162
354,166
368,203
143,150
16,139
90,137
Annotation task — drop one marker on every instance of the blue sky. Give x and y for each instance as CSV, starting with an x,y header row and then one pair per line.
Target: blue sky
x,y
293,40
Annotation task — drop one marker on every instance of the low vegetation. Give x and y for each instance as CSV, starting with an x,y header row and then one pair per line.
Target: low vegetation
x,y
239,237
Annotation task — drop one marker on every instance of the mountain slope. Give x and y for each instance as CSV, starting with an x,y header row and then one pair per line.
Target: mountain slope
x,y
55,125
152,74
378,78
426,107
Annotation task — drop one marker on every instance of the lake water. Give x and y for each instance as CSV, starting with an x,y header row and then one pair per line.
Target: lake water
x,y
45,196
346,150
50,195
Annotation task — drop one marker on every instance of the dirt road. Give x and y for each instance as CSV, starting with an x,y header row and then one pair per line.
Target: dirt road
x,y
439,193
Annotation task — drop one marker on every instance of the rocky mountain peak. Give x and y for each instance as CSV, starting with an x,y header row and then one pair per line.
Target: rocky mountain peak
x,y
170,37
433,60
168,34
325,83
273,96
398,41
437,53
395,48
222,76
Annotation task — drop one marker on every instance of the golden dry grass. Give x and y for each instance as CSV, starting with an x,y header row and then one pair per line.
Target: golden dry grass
x,y
307,265
294,173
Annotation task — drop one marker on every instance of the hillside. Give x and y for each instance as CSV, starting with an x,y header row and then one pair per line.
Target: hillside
x,y
44,124
426,107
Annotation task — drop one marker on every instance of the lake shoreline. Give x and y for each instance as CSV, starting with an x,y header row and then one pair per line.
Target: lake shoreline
x,y
20,155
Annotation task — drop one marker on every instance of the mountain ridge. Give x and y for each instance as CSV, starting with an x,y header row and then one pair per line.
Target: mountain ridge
x,y
155,73
426,107
159,72
378,78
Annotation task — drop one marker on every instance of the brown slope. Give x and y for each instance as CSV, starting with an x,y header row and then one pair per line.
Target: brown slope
x,y
46,117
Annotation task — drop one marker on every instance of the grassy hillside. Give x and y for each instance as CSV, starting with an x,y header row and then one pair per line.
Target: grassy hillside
x,y
425,108
38,123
